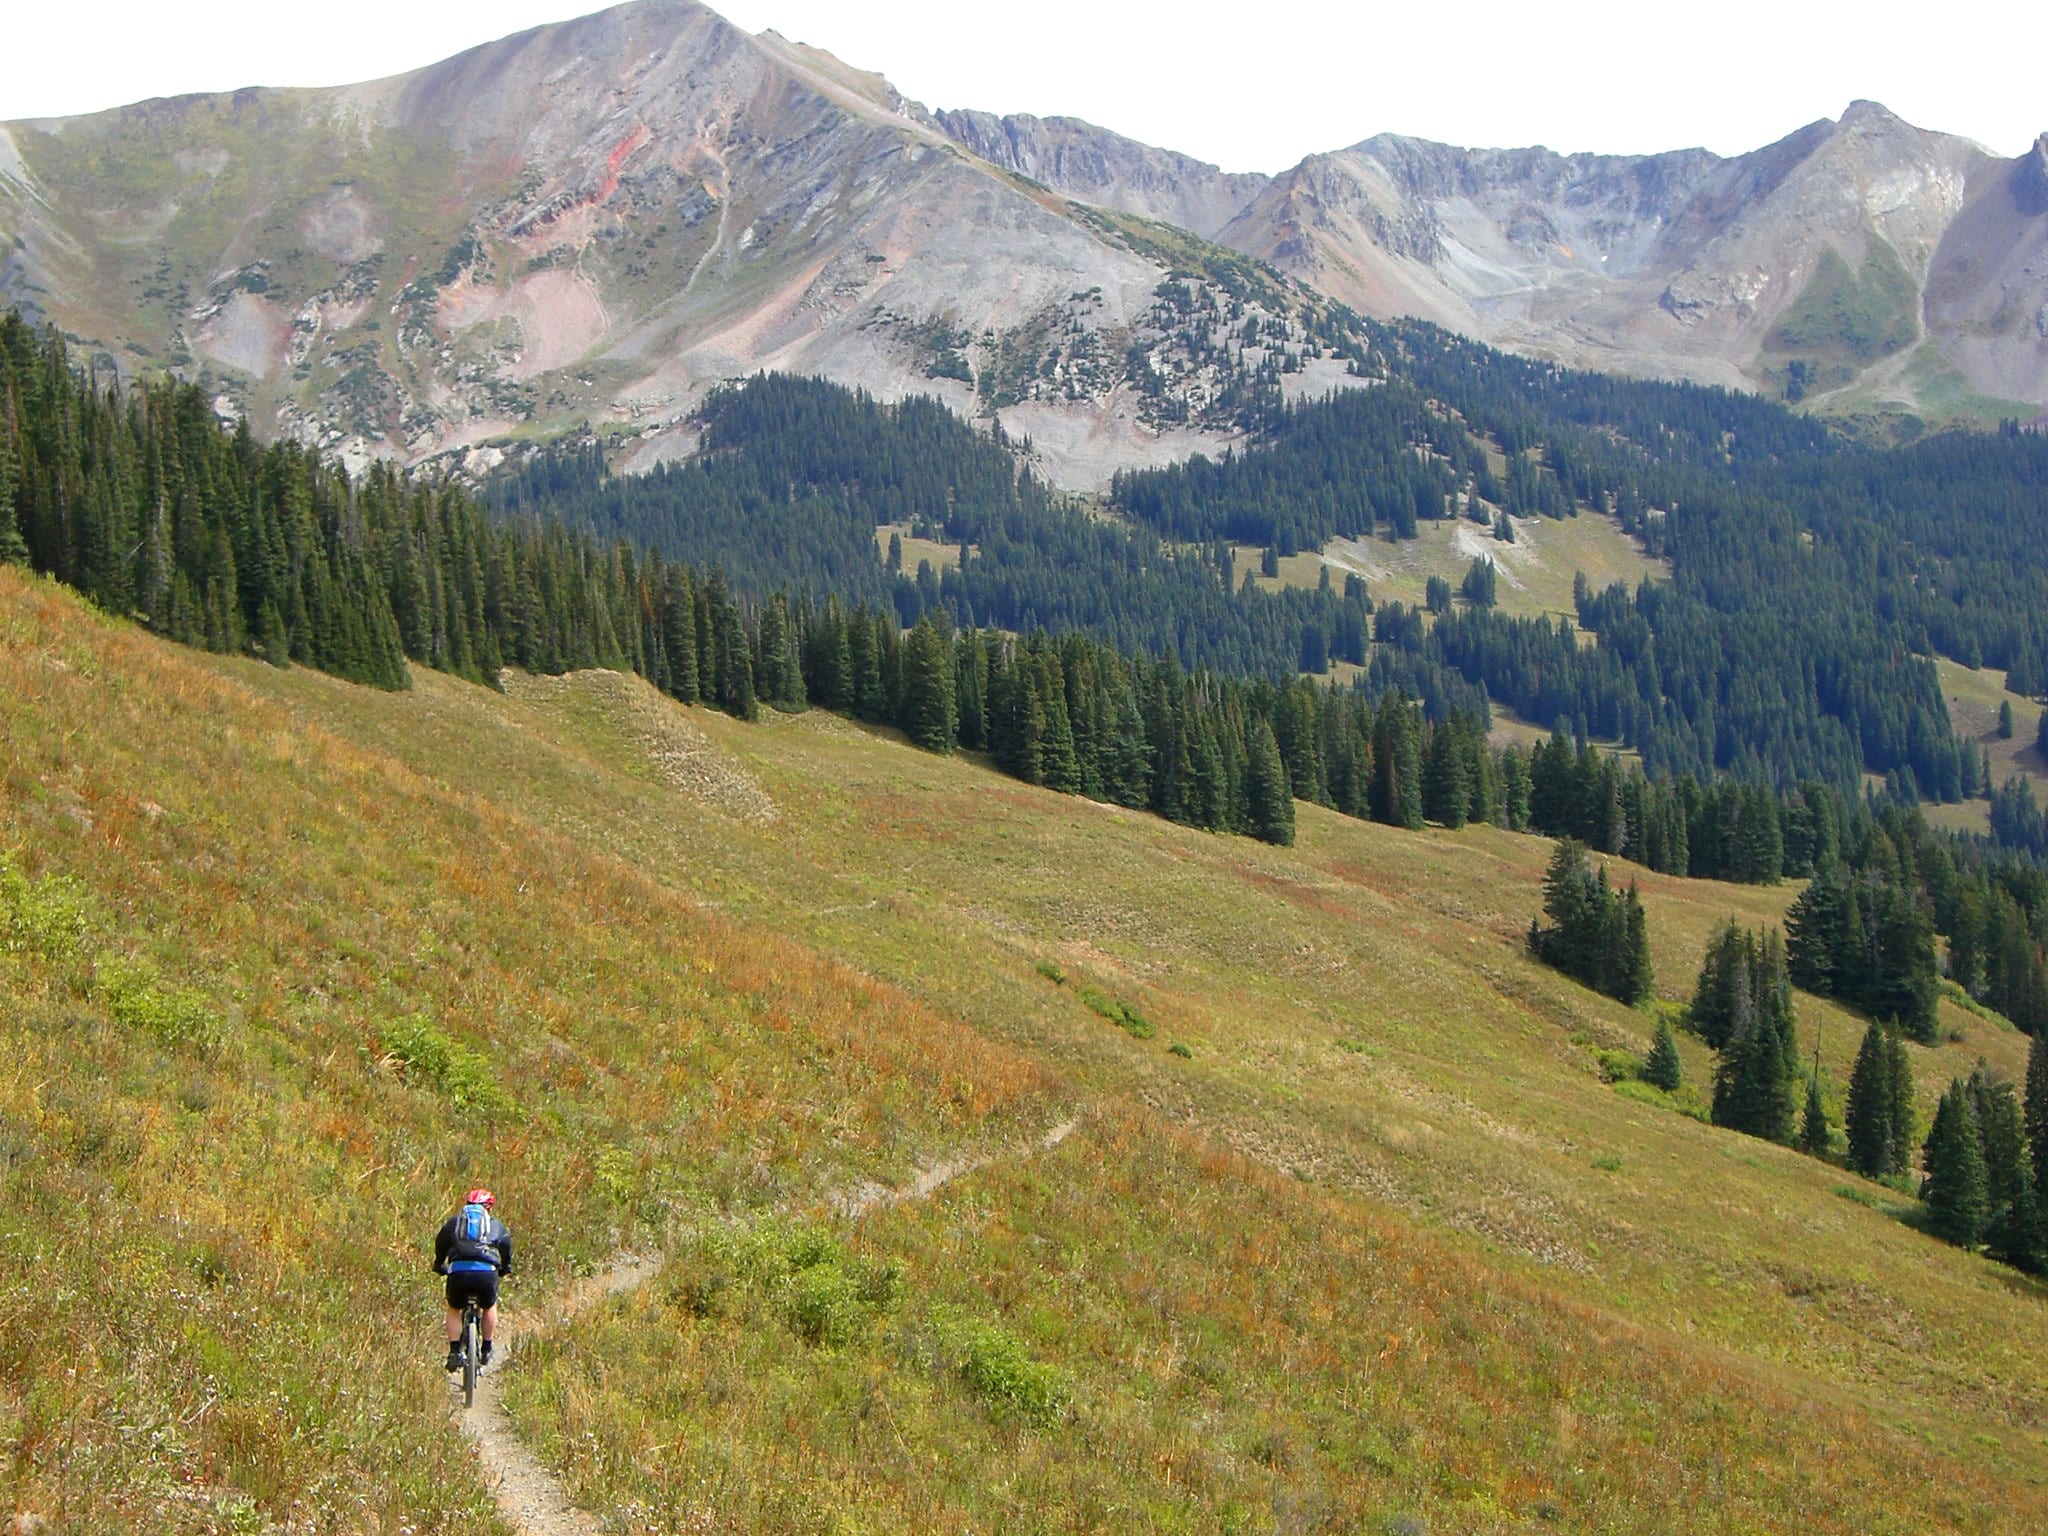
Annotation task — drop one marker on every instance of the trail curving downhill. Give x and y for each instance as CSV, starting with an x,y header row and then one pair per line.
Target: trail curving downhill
x,y
528,1495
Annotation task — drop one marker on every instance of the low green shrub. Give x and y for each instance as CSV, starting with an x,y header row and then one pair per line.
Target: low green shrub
x,y
799,1272
1051,973
429,1057
1180,1050
45,918
995,1364
825,1305
1619,1066
1119,1013
1685,1100
173,1016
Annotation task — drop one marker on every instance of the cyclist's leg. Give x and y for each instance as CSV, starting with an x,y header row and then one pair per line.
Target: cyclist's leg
x,y
487,1300
456,1293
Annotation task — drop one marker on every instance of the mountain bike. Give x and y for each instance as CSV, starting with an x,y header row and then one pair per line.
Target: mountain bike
x,y
472,1350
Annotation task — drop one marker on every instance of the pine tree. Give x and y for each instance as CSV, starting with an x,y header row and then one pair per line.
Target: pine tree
x,y
1728,968
14,548
929,687
1269,802
1634,981
1664,1069
1905,1118
1814,1137
1868,1114
1446,790
1597,935
1955,1188
2011,1221
1813,929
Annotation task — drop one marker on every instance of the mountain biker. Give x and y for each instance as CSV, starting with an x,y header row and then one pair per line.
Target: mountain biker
x,y
474,1251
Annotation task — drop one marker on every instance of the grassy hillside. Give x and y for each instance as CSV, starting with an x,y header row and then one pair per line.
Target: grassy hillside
x,y
1536,571
1973,698
289,962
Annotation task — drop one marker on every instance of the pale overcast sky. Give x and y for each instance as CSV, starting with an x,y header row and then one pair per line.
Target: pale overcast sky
x,y
1250,84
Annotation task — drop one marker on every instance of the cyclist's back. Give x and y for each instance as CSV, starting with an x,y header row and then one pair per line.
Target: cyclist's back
x,y
474,1250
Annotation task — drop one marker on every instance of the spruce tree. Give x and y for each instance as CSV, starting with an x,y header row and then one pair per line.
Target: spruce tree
x,y
1868,1113
2011,1218
1814,1136
1729,967
1634,980
929,687
1446,789
1663,1069
13,548
1905,1120
1269,802
1955,1188
1813,928
2035,1109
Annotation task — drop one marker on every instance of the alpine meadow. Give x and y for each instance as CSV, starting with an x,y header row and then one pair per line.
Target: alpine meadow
x,y
1078,844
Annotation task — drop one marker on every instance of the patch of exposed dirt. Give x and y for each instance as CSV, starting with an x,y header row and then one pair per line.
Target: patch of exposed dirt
x,y
680,754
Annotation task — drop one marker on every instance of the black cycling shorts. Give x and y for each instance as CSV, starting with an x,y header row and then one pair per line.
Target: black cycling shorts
x,y
479,1283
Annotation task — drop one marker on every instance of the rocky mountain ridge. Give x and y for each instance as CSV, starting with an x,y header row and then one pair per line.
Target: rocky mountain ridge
x,y
593,222
1863,262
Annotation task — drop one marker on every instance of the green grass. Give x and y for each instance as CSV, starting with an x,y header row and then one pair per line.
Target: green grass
x,y
1383,1247
1844,319
943,557
1973,698
1536,570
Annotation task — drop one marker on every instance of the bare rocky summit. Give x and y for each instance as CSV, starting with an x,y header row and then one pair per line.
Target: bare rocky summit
x,y
591,221
594,221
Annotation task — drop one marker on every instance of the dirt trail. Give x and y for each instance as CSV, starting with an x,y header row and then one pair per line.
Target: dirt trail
x,y
864,1197
528,1495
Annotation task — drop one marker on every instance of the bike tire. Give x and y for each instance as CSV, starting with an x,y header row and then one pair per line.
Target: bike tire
x,y
470,1350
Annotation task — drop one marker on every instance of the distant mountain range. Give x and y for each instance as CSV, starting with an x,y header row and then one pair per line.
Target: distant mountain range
x,y
594,221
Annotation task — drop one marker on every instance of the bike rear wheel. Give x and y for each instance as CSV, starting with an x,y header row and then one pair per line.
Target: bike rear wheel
x,y
470,1352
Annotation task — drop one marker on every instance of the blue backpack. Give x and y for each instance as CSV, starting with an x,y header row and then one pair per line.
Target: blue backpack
x,y
472,1249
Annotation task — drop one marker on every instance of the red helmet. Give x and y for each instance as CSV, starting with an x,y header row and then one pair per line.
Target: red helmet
x,y
482,1197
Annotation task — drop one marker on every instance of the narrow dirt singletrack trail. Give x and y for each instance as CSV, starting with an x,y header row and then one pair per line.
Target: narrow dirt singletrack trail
x,y
529,1496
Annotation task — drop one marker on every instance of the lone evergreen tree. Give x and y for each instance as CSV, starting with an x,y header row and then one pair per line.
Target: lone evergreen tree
x,y
1814,1137
2011,1215
1813,932
1955,1188
1597,935
930,692
1634,981
2036,1109
1870,1113
1664,1069
1268,801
